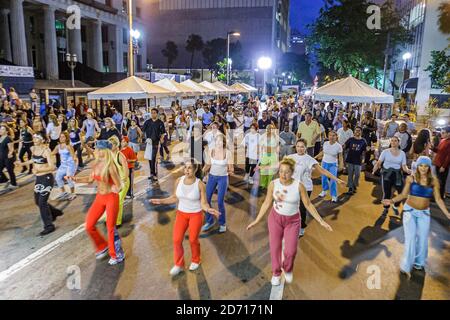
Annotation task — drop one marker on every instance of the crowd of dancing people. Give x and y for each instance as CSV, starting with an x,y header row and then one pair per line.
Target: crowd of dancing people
x,y
283,144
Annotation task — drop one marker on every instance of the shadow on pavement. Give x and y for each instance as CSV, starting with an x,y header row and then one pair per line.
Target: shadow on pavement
x,y
103,282
411,289
367,246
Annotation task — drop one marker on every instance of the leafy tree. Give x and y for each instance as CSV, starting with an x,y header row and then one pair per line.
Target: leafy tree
x,y
213,52
194,43
439,69
221,70
343,42
444,17
171,53
296,64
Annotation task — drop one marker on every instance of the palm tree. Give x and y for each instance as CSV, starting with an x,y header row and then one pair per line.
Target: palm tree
x,y
194,43
444,18
170,52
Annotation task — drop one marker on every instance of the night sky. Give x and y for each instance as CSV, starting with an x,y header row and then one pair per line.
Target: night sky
x,y
304,12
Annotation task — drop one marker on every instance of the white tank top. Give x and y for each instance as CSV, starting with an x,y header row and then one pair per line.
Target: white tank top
x,y
219,167
229,117
289,198
189,197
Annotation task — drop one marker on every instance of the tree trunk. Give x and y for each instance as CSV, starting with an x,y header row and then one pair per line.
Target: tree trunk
x,y
192,60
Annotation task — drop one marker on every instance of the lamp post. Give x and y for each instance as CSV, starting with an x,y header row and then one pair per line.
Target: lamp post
x,y
264,63
130,40
72,60
406,57
135,35
231,33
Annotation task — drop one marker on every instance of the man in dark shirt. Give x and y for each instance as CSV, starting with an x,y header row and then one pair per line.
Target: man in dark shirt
x,y
264,122
154,129
356,146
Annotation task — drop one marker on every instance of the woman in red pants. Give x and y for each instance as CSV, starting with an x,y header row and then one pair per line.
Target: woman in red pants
x,y
104,171
284,195
191,195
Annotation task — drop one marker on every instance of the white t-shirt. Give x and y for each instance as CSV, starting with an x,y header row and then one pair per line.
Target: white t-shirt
x,y
303,169
251,142
331,152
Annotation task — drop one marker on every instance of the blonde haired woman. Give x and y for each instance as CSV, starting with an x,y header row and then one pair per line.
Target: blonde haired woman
x,y
109,184
122,167
284,194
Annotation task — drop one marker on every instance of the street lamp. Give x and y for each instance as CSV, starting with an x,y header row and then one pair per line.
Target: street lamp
x,y
72,60
130,40
135,35
235,34
406,57
264,63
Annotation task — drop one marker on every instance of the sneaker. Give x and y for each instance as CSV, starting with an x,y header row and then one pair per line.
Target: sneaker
x,y
47,230
302,232
194,266
57,214
417,267
62,196
127,197
101,254
289,277
323,194
250,180
222,229
71,197
207,227
175,271
276,280
334,199
13,187
118,260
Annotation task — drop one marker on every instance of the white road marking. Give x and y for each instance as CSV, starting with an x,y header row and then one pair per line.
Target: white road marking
x,y
40,253
57,243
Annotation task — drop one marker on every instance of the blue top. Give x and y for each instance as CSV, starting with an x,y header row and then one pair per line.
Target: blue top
x,y
392,162
418,190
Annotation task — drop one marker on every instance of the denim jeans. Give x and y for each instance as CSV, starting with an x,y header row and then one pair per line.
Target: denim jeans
x,y
221,183
416,225
326,183
354,172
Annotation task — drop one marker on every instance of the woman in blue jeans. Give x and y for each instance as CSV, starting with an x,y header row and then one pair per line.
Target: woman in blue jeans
x,y
219,165
419,189
332,161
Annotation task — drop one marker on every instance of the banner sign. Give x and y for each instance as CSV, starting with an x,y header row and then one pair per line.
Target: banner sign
x,y
15,71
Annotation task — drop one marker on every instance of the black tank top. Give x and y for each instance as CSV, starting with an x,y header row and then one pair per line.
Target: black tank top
x,y
26,136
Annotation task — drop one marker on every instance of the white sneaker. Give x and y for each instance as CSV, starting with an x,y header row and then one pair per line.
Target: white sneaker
x,y
222,229
250,180
246,177
62,196
175,271
334,199
194,266
323,194
289,277
302,232
100,255
71,197
276,281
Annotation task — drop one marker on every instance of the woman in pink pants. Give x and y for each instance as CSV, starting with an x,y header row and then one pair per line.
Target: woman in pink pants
x,y
284,219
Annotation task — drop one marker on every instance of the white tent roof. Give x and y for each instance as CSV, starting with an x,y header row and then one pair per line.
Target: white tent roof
x,y
240,88
351,90
174,86
133,87
197,87
223,86
212,87
245,86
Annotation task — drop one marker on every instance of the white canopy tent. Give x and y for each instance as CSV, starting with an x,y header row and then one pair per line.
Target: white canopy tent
x,y
179,88
131,87
351,90
223,86
197,87
243,88
214,88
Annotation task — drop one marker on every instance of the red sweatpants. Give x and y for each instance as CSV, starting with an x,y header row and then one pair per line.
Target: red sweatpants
x,y
110,202
183,221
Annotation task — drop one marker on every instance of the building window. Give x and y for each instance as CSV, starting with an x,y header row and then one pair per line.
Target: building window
x,y
138,12
125,36
105,38
106,61
60,28
83,34
125,62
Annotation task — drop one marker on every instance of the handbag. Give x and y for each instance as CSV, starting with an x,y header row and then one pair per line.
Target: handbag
x,y
148,150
